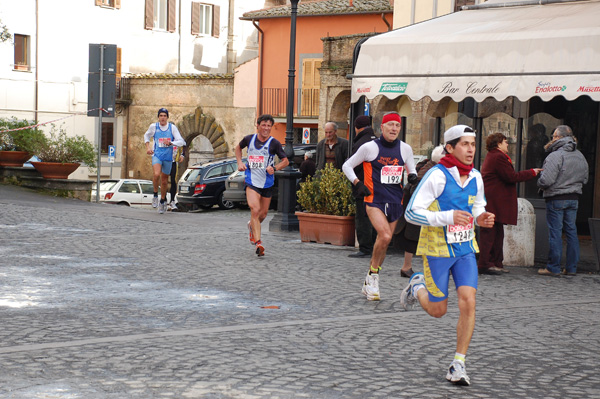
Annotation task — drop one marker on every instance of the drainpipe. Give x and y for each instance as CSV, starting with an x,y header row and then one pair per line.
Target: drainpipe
x,y
230,50
386,22
261,37
37,58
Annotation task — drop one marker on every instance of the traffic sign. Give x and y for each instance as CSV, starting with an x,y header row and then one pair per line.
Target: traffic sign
x,y
367,109
305,135
112,151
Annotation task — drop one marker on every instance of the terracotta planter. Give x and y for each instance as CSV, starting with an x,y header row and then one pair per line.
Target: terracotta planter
x,y
55,170
326,229
13,158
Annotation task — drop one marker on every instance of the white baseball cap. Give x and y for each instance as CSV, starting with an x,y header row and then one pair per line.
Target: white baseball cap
x,y
458,131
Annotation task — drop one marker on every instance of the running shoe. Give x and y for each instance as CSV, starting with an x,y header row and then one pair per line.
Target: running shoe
x,y
370,287
260,250
457,373
407,299
173,205
155,202
162,207
250,234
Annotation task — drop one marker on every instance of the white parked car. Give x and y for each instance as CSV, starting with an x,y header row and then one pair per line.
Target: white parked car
x,y
131,192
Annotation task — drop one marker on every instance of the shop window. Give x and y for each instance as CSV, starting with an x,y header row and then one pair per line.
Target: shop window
x,y
107,136
537,132
161,15
22,52
205,19
500,123
109,3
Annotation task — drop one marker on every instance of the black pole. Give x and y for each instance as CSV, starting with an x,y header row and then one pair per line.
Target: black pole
x,y
285,219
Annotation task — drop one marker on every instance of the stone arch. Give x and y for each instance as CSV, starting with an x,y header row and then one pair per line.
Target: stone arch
x,y
199,123
340,112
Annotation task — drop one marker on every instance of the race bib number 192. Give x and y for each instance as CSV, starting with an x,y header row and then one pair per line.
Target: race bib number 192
x,y
391,174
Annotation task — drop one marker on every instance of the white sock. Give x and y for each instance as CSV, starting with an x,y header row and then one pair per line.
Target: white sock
x,y
416,289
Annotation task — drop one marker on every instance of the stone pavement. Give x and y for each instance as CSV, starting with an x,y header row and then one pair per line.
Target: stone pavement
x,y
102,301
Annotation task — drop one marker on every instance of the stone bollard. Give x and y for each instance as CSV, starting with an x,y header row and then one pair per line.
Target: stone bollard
x,y
519,240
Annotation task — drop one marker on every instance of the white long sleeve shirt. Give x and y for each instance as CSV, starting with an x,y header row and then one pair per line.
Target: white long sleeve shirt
x,y
431,187
178,140
369,151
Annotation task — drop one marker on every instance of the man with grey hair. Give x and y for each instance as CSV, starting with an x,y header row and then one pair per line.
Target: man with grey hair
x,y
564,173
332,149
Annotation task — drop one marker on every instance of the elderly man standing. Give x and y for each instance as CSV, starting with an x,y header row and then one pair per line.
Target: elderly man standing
x,y
332,149
564,173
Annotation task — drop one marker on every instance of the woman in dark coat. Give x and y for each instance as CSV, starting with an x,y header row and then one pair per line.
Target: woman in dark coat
x,y
500,186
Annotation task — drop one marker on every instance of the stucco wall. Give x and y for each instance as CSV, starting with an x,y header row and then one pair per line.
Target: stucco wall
x,y
192,97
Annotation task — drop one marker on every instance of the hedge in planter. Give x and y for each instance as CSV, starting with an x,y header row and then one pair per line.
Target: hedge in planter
x,y
329,208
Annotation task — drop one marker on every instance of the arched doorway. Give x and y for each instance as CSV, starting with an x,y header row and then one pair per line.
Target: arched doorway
x,y
204,137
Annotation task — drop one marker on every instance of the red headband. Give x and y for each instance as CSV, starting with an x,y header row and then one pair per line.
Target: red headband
x,y
391,117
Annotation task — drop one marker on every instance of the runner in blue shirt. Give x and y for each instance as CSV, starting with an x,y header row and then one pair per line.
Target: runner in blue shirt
x,y
165,136
260,178
447,203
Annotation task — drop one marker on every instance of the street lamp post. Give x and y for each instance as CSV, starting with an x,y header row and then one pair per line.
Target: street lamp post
x,y
285,219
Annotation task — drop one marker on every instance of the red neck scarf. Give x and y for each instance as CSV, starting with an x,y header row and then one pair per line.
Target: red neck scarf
x,y
449,161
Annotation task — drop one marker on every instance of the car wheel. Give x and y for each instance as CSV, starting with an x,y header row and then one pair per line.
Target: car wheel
x,y
224,204
123,203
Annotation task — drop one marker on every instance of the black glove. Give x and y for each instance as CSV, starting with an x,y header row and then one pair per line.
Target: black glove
x,y
412,178
362,190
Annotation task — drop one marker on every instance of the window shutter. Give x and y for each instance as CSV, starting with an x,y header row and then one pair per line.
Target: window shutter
x,y
117,4
98,2
216,21
118,71
195,18
171,15
149,16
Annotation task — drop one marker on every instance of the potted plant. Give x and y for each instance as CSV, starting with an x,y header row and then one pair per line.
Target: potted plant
x,y
60,155
16,143
329,208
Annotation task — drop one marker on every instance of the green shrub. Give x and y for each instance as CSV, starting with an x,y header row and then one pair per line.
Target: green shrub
x,y
328,193
66,149
19,140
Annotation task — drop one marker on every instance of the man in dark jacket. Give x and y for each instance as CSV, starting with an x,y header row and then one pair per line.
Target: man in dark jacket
x,y
332,149
365,233
564,173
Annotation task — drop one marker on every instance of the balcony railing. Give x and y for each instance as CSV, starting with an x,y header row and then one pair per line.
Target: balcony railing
x,y
306,102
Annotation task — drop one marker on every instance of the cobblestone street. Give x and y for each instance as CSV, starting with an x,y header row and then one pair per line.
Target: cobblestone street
x,y
103,301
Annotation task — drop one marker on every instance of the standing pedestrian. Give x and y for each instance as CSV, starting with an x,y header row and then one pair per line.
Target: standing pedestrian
x,y
447,203
384,161
308,166
260,170
564,173
332,149
165,135
500,183
365,233
178,157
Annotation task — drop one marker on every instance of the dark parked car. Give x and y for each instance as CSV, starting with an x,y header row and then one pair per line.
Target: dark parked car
x,y
234,185
204,185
